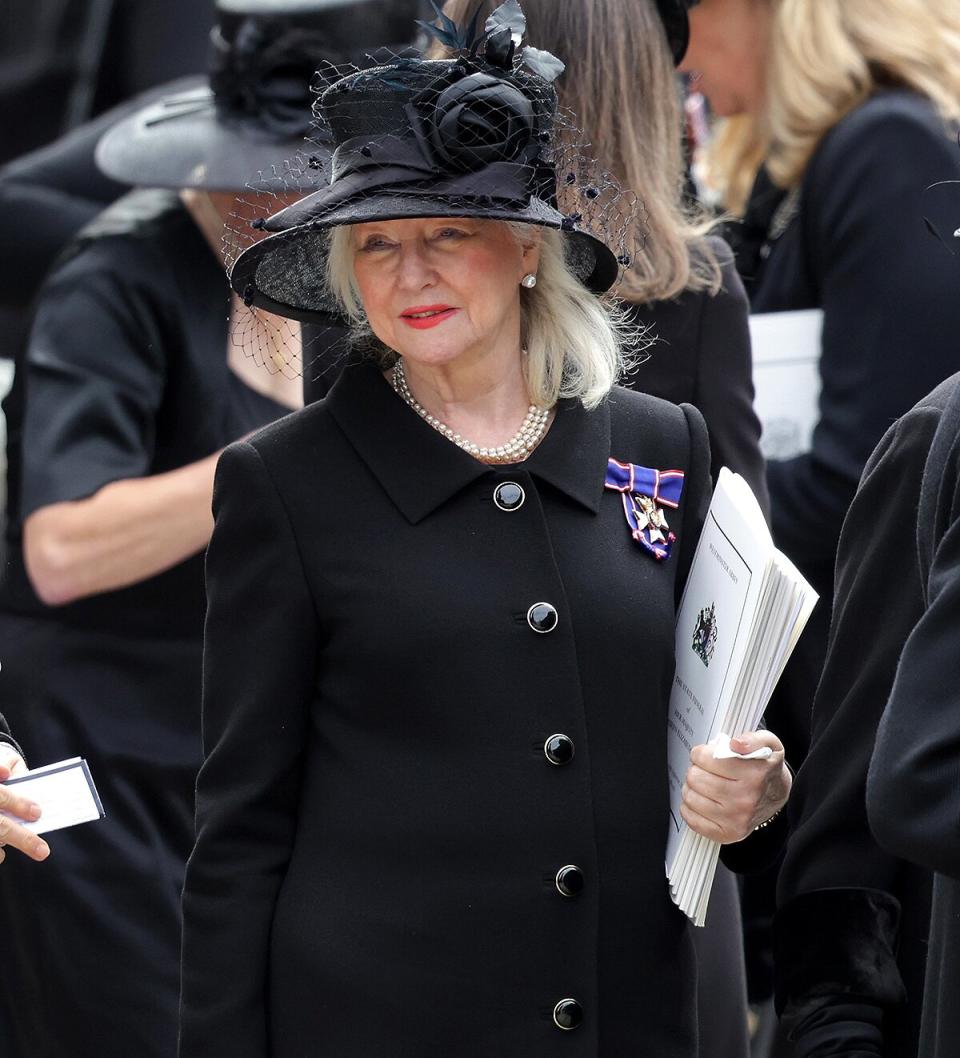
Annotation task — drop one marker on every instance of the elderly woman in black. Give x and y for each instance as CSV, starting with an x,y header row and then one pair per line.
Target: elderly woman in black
x,y
432,815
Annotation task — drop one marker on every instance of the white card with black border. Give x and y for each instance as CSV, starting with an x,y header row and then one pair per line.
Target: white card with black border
x,y
65,792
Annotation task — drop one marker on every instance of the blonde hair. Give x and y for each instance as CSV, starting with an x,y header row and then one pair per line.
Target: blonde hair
x,y
621,86
574,340
826,57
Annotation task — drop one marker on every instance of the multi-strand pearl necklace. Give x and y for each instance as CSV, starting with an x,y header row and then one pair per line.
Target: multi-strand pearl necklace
x,y
515,450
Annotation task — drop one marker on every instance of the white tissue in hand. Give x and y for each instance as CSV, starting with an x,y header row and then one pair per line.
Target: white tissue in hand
x,y
720,744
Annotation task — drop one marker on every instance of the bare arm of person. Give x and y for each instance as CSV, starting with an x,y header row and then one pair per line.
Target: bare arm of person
x,y
125,532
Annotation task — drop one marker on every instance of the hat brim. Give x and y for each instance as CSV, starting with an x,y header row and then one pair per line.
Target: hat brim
x,y
284,273
180,142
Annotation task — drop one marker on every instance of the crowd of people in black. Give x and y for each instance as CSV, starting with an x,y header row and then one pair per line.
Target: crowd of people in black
x,y
321,356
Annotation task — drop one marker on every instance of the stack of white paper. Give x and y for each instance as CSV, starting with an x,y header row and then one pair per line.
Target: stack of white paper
x,y
743,609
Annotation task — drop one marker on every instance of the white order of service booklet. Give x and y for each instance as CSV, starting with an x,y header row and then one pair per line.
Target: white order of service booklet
x,y
742,612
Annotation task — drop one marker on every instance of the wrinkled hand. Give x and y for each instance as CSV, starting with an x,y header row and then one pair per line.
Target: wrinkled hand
x,y
725,800
11,833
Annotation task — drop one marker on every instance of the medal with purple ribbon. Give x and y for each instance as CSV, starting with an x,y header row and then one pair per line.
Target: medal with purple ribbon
x,y
645,492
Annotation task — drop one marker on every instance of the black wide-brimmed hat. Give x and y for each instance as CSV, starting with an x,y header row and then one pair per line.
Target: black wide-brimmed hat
x,y
255,107
477,136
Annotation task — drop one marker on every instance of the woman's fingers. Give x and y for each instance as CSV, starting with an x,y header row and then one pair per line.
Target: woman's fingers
x,y
15,835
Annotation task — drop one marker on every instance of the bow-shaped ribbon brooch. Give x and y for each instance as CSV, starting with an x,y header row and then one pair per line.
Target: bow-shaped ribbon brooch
x,y
645,492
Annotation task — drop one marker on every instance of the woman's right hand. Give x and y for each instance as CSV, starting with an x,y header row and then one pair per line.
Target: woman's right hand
x,y
12,833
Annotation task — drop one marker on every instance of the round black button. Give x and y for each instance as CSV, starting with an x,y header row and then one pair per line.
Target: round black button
x,y
542,617
570,880
559,749
509,496
567,1014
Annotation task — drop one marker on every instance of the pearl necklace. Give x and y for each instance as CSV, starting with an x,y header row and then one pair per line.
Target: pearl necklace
x,y
526,439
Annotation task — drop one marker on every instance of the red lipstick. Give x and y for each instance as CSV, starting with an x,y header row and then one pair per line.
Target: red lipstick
x,y
421,317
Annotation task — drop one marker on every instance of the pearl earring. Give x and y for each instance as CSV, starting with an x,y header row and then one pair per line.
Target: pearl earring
x,y
529,281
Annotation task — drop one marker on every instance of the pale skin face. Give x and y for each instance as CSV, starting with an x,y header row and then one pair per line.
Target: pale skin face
x,y
728,50
461,277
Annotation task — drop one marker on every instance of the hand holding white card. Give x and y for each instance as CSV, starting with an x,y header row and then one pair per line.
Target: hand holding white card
x,y
65,792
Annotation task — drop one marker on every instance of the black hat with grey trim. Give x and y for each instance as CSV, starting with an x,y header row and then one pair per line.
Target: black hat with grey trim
x,y
268,59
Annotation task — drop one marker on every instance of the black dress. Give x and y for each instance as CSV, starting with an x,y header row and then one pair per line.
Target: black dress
x,y
913,792
126,376
383,811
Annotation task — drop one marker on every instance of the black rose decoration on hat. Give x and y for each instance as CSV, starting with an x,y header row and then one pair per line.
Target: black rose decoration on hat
x,y
480,120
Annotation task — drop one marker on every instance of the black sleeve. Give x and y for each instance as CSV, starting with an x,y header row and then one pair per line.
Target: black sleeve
x,y
724,383
259,675
838,891
95,376
759,850
891,311
913,787
41,221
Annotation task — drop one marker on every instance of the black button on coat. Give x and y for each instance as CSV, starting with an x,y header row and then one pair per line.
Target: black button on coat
x,y
378,828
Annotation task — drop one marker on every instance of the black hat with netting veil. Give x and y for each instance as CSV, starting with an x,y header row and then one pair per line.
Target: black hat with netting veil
x,y
478,135
255,106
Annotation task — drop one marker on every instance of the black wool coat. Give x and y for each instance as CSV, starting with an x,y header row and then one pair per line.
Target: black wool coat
x,y
854,917
699,353
913,786
379,828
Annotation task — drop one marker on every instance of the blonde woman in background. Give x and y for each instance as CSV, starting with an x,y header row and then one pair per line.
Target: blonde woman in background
x,y
620,81
854,106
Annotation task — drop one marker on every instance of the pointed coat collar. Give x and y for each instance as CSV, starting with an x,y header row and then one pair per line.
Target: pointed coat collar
x,y
420,470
